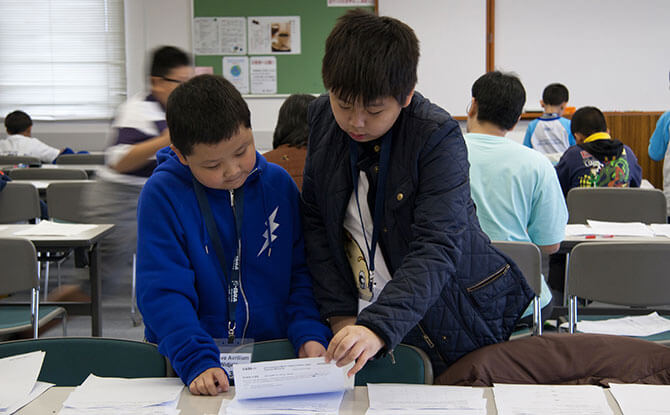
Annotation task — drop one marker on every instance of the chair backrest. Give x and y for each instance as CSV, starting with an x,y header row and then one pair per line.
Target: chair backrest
x,y
12,160
622,273
48,174
19,265
19,202
528,258
81,159
412,365
617,204
69,360
64,200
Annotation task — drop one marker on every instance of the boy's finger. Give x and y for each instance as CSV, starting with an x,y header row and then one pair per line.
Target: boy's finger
x,y
221,377
352,354
330,352
360,362
210,386
343,348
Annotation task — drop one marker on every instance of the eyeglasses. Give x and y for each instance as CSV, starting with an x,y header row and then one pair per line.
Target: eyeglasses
x,y
176,81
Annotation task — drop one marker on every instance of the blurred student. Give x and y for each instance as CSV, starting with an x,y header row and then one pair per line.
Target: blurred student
x,y
550,134
290,137
220,252
597,160
515,189
19,141
139,131
658,150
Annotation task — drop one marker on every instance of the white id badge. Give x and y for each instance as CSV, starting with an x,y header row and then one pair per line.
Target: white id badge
x,y
237,352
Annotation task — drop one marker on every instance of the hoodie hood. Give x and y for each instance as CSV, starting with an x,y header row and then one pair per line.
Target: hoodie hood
x,y
604,149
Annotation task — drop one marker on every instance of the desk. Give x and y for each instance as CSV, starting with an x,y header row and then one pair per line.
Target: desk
x,y
91,169
41,185
88,239
354,403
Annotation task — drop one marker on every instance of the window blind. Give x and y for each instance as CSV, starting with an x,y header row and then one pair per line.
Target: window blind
x,y
62,59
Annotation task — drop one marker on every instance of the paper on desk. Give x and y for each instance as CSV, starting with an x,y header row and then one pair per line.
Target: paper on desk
x,y
18,375
661,229
550,400
639,326
314,404
290,377
97,392
400,399
577,230
165,409
2,228
48,228
38,389
641,399
619,228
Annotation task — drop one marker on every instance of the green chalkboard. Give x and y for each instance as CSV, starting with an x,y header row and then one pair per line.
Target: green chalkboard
x,y
295,73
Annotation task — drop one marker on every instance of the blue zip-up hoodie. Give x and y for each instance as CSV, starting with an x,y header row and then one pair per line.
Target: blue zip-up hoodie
x,y
181,289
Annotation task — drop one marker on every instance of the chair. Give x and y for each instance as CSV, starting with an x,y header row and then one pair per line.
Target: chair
x,y
616,204
19,269
527,256
633,274
412,365
81,159
48,174
19,202
13,160
69,360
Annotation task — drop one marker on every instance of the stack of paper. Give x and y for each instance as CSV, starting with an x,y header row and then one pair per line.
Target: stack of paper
x,y
639,326
144,396
399,399
550,400
18,381
661,229
294,386
619,228
636,399
47,228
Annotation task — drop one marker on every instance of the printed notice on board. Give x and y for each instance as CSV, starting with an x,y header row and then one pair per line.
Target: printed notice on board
x,y
263,71
350,3
219,35
236,70
274,35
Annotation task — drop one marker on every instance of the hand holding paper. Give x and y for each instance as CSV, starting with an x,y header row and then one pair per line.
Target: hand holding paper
x,y
353,343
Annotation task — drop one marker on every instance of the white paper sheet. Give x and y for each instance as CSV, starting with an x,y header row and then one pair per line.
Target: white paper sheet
x,y
661,229
48,228
290,377
634,399
18,375
263,74
319,403
577,230
38,389
97,392
550,400
425,399
619,228
639,326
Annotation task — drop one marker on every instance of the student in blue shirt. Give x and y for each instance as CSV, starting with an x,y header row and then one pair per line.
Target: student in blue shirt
x,y
658,150
220,250
515,189
550,134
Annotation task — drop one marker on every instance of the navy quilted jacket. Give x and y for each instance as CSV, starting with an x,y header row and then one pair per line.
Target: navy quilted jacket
x,y
451,292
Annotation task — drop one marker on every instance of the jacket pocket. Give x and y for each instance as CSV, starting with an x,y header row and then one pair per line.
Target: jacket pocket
x,y
495,285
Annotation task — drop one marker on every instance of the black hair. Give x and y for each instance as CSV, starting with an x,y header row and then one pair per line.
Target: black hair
x,y
166,58
500,98
206,109
17,122
587,121
369,57
555,94
292,127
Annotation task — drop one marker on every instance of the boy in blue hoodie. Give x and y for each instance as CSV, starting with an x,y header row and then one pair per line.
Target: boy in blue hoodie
x,y
220,246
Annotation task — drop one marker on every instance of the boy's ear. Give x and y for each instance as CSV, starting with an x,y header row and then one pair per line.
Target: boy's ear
x,y
180,156
542,103
472,108
409,98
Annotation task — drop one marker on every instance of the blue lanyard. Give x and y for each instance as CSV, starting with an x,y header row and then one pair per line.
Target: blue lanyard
x,y
384,158
237,204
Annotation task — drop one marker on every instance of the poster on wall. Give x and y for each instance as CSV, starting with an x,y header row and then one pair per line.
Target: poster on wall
x,y
236,70
263,71
219,36
274,35
350,3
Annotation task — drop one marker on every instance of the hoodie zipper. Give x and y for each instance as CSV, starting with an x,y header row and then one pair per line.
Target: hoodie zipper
x,y
239,265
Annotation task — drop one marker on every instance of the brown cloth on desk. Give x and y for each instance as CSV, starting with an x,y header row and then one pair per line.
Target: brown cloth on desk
x,y
292,159
567,359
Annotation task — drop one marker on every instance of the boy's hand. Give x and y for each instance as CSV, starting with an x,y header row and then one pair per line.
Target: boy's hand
x,y
311,348
210,382
351,343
